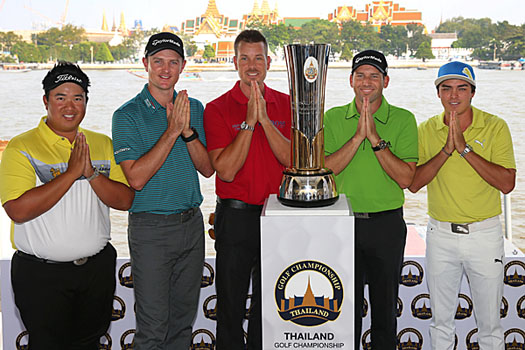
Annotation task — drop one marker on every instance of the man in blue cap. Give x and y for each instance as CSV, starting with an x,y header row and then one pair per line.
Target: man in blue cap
x,y
466,158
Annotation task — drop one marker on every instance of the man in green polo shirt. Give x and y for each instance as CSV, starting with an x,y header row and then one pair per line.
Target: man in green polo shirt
x,y
466,160
371,146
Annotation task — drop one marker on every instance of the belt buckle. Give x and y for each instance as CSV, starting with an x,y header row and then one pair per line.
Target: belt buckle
x,y
80,262
362,215
460,228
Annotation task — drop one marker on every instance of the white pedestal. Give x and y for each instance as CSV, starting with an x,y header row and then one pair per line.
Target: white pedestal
x,y
307,276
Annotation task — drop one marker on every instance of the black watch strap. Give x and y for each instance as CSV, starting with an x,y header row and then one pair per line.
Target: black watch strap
x,y
191,137
381,145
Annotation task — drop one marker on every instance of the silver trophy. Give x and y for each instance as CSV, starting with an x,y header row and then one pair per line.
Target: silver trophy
x,y
307,183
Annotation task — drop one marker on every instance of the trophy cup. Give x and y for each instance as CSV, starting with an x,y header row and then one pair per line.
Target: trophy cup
x,y
307,183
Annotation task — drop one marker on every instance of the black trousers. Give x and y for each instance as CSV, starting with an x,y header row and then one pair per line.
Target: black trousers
x,y
64,306
379,249
238,247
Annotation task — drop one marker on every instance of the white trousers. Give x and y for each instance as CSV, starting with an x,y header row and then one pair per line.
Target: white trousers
x,y
480,255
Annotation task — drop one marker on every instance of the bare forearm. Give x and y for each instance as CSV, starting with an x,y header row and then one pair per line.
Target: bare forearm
x,y
400,171
279,144
112,193
495,175
426,172
229,160
339,160
199,157
39,200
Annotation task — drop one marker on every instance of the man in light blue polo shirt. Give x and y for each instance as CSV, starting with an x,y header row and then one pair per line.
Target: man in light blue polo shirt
x,y
159,143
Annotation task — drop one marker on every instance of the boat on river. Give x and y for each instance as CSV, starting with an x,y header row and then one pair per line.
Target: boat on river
x,y
14,68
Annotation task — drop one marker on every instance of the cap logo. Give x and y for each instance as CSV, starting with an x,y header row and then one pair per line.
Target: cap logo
x,y
359,59
466,71
67,77
161,41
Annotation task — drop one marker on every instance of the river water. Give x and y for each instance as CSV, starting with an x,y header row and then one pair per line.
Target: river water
x,y
498,92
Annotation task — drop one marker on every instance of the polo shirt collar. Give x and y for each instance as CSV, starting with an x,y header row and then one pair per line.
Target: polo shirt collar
x,y
240,97
149,101
381,114
50,137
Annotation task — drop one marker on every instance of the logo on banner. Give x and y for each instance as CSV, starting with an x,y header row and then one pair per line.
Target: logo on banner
x,y
119,311
105,342
516,339
309,293
419,307
365,308
504,308
124,339
463,312
311,69
207,280
209,344
399,310
520,308
366,342
125,280
210,313
472,344
412,278
409,339
248,308
515,279
19,346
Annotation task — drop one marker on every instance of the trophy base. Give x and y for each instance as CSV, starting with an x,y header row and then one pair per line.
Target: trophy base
x,y
308,189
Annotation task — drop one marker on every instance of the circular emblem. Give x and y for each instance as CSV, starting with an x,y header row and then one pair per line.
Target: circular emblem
x,y
119,309
514,339
311,69
248,312
207,280
124,338
472,344
421,310
411,278
125,280
18,342
464,312
366,342
399,310
210,313
105,342
365,308
200,343
309,293
515,279
504,308
410,339
520,308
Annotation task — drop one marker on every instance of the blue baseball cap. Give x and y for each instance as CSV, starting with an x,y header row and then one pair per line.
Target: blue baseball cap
x,y
456,70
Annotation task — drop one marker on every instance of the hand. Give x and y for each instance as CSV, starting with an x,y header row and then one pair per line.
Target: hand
x,y
77,159
371,132
262,115
449,145
252,112
178,114
457,134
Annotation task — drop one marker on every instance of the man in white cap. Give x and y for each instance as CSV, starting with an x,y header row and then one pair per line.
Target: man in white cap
x,y
159,142
466,159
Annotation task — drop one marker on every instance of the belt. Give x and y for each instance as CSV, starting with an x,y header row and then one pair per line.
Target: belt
x,y
77,262
178,217
376,214
465,229
237,204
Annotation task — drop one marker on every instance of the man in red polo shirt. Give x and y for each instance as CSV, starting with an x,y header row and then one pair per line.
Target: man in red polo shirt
x,y
247,133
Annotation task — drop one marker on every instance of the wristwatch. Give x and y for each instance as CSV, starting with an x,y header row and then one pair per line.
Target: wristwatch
x,y
191,137
468,148
382,144
96,173
245,126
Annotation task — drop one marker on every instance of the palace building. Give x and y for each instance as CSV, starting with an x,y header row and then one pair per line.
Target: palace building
x,y
377,14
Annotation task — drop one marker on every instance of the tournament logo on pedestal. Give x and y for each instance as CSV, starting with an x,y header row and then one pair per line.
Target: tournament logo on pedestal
x,y
516,339
309,293
421,310
464,312
410,339
411,279
515,279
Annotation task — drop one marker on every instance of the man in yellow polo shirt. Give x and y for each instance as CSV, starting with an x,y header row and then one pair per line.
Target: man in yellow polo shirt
x,y
466,159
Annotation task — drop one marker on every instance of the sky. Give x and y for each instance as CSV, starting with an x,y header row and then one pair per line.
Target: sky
x,y
16,14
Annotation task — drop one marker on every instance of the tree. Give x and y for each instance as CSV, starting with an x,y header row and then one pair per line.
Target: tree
x,y
191,48
416,36
424,51
26,52
347,53
321,31
394,38
103,54
8,40
209,52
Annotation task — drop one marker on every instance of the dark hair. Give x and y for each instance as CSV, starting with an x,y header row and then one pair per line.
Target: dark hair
x,y
65,72
250,36
472,87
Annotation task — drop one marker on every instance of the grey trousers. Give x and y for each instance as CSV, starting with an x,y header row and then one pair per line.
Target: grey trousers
x,y
167,258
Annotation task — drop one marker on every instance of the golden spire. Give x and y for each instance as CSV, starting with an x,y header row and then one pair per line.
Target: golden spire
x,y
212,10
309,297
122,26
275,11
104,22
114,26
265,8
256,11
